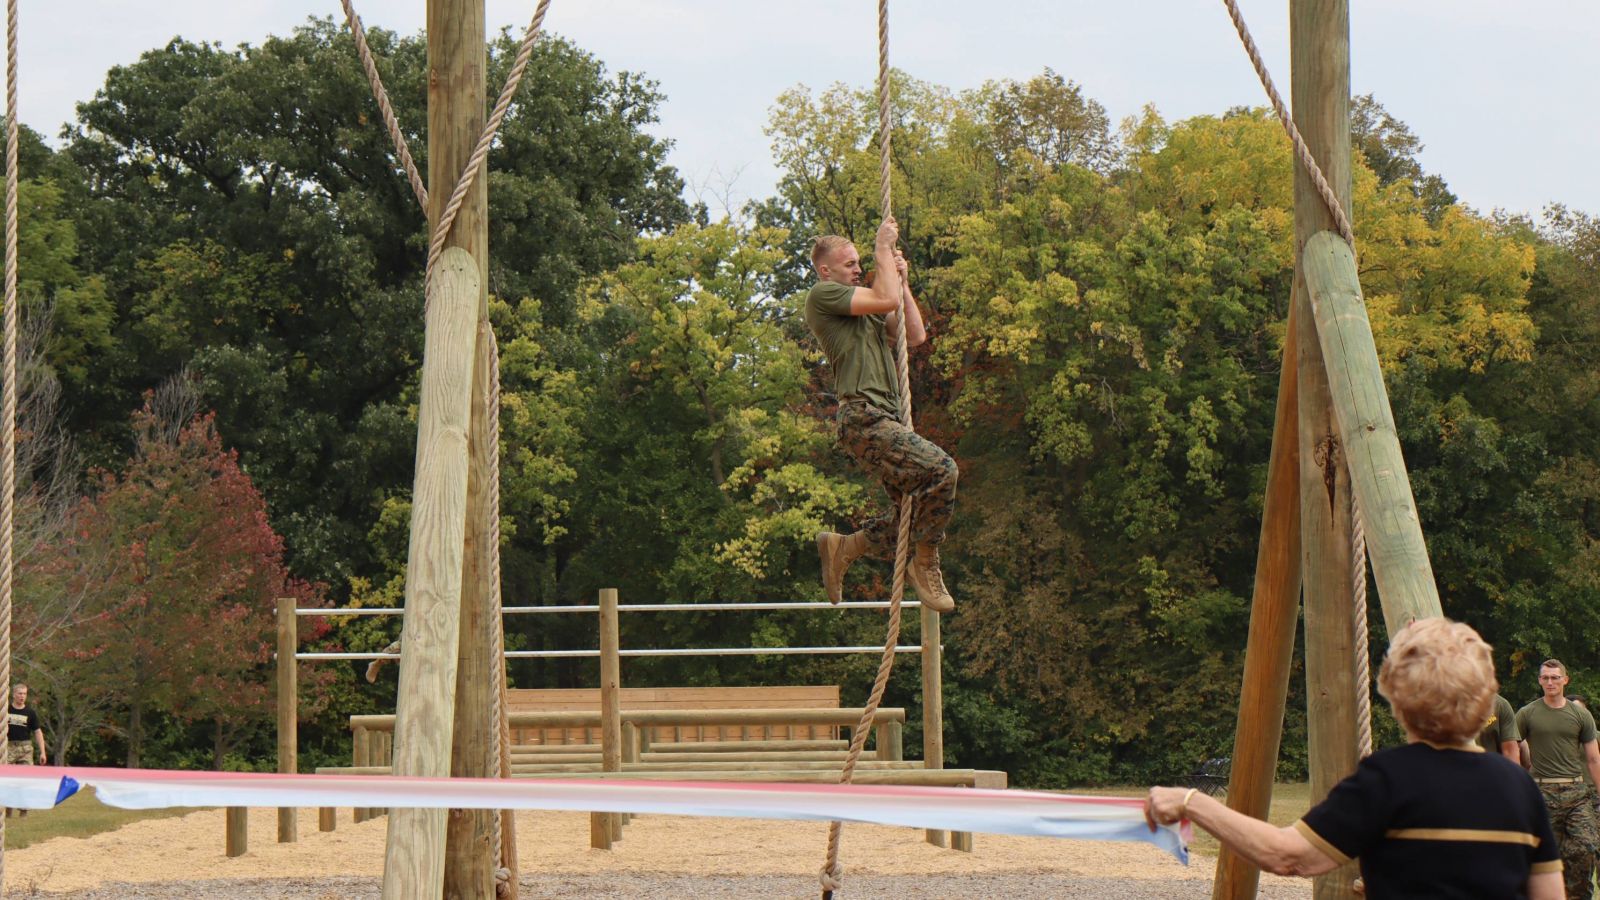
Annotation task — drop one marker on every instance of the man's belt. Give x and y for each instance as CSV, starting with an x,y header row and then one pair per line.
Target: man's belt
x,y
1557,780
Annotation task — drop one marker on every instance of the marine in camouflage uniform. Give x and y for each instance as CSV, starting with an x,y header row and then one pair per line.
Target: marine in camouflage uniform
x,y
1561,744
851,322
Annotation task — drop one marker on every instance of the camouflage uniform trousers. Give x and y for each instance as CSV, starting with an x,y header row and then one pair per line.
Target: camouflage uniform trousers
x,y
1577,830
905,463
19,753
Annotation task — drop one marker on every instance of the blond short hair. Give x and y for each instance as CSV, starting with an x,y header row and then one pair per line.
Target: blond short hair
x,y
826,245
1439,677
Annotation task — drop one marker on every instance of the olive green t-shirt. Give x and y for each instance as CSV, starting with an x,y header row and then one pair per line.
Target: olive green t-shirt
x,y
857,350
1556,737
1501,727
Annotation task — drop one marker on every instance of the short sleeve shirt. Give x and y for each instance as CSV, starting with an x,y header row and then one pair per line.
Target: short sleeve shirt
x,y
1556,737
1438,823
1501,727
23,723
863,367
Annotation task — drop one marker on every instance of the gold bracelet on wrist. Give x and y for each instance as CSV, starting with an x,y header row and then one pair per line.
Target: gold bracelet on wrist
x,y
1183,808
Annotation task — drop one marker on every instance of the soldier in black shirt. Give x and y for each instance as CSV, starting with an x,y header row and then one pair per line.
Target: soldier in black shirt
x,y
23,732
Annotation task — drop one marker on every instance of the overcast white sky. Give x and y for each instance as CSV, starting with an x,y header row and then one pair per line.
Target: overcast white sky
x,y
1501,94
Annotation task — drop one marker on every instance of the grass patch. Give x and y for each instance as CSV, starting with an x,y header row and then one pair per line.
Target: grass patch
x,y
79,816
1289,802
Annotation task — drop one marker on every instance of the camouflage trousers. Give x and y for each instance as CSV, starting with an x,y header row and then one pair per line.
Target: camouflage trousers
x,y
906,464
1577,830
19,753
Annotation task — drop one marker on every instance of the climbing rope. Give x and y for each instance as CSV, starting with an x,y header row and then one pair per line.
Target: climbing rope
x,y
1358,538
469,173
1358,575
8,406
505,843
832,872
441,232
1301,151
370,66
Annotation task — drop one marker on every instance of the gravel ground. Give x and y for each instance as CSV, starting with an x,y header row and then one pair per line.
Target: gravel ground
x,y
646,885
660,856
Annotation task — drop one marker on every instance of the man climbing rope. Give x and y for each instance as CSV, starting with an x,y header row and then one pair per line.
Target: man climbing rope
x,y
851,322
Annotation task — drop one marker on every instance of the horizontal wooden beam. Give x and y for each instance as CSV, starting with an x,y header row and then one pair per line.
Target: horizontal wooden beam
x,y
828,756
982,778
842,717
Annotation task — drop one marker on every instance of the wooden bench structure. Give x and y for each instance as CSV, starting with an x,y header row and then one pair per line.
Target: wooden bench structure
x,y
784,733
750,757
675,698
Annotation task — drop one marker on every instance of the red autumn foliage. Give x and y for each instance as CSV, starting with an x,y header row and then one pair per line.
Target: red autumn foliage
x,y
187,570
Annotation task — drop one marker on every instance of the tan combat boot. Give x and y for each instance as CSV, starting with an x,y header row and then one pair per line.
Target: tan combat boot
x,y
838,551
928,580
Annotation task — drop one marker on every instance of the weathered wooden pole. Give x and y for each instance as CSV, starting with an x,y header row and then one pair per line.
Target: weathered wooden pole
x,y
1367,431
414,850
457,84
932,703
1274,613
361,755
236,825
288,708
604,828
1319,37
470,850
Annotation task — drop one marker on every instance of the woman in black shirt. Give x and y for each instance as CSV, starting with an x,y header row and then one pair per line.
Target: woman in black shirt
x,y
1437,817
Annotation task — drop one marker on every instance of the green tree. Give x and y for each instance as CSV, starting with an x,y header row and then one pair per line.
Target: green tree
x,y
245,212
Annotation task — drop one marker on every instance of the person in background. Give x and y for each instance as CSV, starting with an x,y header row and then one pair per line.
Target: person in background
x,y
1564,761
1437,817
1500,734
23,734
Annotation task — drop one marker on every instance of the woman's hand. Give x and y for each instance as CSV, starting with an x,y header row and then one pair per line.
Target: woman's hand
x,y
1166,805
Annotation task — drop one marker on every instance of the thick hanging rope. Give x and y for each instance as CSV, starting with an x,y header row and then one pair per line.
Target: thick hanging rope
x,y
370,66
832,872
8,406
505,845
1358,538
1301,151
469,174
1358,575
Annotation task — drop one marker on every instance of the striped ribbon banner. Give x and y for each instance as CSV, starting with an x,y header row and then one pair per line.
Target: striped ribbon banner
x,y
955,809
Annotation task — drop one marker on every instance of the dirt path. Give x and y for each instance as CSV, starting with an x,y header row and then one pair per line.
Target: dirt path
x,y
661,856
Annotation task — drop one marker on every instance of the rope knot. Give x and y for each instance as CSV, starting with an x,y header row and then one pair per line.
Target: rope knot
x,y
830,877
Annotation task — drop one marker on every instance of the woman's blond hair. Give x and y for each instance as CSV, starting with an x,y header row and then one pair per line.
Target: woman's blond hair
x,y
1439,677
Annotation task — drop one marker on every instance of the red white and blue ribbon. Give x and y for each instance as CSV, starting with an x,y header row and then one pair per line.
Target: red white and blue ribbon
x,y
955,809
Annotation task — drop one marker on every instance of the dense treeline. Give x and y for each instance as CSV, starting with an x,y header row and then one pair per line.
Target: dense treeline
x,y
226,228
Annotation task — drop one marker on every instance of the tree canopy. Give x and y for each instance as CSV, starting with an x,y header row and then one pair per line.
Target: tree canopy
x,y
1106,304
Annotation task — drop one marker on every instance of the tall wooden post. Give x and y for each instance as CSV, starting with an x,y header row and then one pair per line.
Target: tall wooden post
x,y
1319,35
236,831
360,755
469,844
605,827
932,703
288,708
1274,612
415,843
416,859
1366,423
